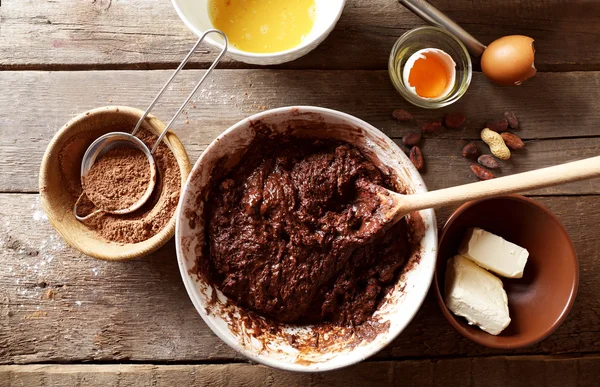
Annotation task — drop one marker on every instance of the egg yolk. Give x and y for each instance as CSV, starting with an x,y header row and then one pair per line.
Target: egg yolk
x,y
263,26
429,76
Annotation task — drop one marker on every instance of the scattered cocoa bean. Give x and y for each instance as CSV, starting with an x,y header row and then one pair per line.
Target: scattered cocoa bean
x,y
512,141
500,125
481,172
455,121
402,115
471,151
412,138
513,123
488,161
432,127
416,156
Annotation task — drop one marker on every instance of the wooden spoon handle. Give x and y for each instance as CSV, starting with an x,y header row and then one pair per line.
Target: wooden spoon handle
x,y
540,178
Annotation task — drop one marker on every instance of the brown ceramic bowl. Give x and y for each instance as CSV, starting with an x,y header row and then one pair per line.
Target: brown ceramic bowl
x,y
540,301
57,202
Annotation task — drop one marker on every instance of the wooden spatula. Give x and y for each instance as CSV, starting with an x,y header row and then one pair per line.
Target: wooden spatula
x,y
395,206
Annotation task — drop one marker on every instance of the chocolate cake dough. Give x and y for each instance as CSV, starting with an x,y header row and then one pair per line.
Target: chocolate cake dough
x,y
287,235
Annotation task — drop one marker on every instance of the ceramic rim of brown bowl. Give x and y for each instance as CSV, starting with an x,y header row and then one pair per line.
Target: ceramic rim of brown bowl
x,y
62,218
525,342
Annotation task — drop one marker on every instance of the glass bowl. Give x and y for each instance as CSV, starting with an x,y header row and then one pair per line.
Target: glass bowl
x,y
430,37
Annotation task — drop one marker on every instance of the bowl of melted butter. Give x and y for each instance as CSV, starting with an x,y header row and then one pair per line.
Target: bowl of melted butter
x,y
263,32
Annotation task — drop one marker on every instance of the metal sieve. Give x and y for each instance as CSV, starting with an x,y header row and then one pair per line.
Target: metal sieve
x,y
121,139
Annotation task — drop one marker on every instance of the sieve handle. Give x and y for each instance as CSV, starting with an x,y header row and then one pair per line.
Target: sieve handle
x,y
435,17
183,63
76,209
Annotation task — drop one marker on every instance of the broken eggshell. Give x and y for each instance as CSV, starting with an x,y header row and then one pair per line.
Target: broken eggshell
x,y
509,60
443,57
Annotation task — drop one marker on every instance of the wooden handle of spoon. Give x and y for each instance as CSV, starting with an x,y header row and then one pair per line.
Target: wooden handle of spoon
x,y
540,178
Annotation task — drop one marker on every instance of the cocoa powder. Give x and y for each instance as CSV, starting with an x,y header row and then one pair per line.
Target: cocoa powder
x,y
118,179
139,225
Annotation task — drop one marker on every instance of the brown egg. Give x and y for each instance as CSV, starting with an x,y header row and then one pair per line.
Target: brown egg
x,y
509,60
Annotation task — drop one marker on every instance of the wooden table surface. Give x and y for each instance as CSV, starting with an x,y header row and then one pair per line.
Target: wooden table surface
x,y
68,319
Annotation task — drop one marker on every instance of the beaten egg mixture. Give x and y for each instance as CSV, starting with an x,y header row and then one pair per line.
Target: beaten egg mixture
x,y
263,26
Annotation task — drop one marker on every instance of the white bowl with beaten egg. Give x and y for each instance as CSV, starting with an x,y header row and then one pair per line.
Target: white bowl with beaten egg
x,y
196,16
308,348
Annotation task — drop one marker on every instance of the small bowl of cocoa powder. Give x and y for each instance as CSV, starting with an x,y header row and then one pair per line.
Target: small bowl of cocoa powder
x,y
105,235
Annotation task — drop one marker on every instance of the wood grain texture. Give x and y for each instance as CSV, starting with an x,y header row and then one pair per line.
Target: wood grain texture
x,y
558,112
143,34
475,372
57,305
60,306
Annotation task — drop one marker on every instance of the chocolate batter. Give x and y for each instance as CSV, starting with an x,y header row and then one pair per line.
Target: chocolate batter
x,y
289,234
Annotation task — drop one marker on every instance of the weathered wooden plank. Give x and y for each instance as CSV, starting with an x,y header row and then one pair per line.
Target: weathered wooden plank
x,y
149,34
510,371
60,306
554,105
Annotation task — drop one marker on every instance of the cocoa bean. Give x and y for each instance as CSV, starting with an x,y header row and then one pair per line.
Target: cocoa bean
x,y
432,127
481,172
513,123
455,121
402,115
512,141
412,138
488,161
416,156
500,125
471,151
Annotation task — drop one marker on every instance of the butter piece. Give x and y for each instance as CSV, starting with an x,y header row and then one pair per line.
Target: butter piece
x,y
494,253
477,295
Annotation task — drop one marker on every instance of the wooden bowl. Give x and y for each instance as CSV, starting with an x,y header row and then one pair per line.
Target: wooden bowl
x,y
57,201
540,301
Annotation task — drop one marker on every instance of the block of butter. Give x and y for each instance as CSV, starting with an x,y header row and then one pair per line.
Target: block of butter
x,y
494,253
476,294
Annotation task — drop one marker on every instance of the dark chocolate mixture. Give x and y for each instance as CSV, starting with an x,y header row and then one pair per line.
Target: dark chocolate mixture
x,y
287,236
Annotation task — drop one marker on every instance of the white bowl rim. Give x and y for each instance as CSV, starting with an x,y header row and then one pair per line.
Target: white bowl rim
x,y
190,284
253,55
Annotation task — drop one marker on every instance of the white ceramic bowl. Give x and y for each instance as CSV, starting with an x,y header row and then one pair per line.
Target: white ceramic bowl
x,y
194,14
336,347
